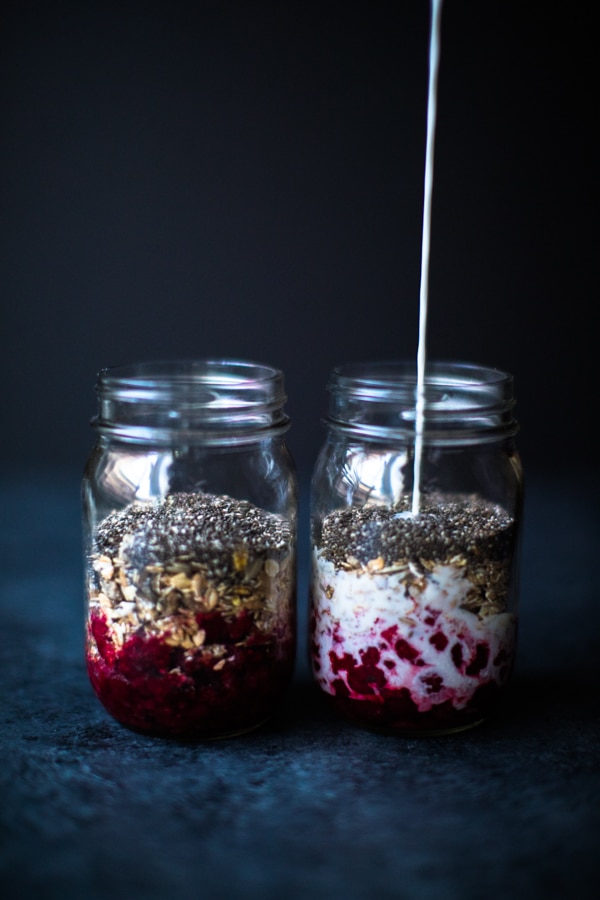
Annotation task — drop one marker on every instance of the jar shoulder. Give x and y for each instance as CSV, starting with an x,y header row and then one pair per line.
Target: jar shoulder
x,y
117,474
351,473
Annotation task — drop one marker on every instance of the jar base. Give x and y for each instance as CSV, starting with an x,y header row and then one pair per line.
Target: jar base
x,y
439,722
418,732
193,738
155,689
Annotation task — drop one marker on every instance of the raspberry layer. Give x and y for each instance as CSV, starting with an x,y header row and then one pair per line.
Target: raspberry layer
x,y
407,655
150,686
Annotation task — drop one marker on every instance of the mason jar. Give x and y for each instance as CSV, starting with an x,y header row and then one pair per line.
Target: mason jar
x,y
415,522
190,509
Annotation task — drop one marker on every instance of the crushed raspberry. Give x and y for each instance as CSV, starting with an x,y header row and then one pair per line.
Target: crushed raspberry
x,y
99,629
154,688
370,656
482,653
457,655
145,658
439,640
390,634
341,664
434,683
363,679
406,651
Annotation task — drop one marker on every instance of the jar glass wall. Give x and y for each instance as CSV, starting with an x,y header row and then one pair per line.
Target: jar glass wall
x,y
190,511
414,591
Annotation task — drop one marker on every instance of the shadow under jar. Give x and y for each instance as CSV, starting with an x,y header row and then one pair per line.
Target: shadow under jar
x,y
413,615
190,509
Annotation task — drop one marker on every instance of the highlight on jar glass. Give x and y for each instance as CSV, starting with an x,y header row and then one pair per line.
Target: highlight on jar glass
x,y
415,524
190,514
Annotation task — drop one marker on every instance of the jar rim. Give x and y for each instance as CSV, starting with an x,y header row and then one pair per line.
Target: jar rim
x,y
164,375
463,400
216,399
391,376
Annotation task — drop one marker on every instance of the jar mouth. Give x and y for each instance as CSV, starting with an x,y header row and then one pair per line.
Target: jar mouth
x,y
378,400
209,398
211,381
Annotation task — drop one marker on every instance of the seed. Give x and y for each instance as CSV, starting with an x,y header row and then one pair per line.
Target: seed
x,y
271,568
104,567
211,598
198,584
240,559
181,581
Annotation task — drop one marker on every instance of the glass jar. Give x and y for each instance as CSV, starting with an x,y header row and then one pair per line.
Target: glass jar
x,y
190,510
414,538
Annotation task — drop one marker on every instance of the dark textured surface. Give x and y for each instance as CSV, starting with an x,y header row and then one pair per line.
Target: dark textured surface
x,y
308,806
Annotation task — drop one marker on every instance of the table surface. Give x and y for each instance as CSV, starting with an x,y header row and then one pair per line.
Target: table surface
x,y
308,806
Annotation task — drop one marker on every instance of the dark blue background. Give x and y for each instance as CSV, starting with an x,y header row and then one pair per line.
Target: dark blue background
x,y
245,178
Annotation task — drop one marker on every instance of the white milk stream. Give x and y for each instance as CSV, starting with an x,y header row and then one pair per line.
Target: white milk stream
x,y
434,62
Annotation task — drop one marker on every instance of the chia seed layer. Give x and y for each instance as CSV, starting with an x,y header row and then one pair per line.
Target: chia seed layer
x,y
191,624
444,528
411,626
207,526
